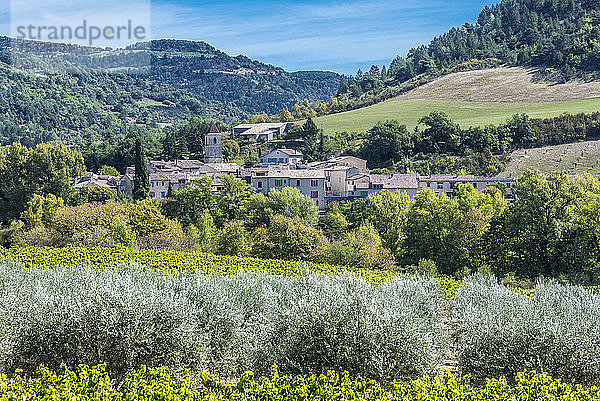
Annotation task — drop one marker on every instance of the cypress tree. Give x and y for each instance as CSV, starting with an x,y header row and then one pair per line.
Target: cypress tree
x,y
141,181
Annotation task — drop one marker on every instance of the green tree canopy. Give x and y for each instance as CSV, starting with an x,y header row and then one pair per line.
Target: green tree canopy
x,y
441,134
288,238
386,143
534,237
288,202
45,169
188,205
234,197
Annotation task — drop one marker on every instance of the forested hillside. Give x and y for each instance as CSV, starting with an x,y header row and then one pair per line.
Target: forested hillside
x,y
198,67
561,37
45,99
554,33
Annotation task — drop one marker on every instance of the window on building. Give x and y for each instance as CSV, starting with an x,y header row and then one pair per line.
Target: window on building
x,y
281,160
152,194
298,183
152,185
163,194
314,183
272,160
440,186
259,184
314,194
278,183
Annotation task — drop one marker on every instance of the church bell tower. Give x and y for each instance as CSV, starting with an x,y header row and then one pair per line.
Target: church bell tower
x,y
213,146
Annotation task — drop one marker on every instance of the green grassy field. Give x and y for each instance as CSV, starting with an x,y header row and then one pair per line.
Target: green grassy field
x,y
465,113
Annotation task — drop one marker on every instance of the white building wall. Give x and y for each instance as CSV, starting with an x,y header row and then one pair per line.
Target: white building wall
x,y
279,157
305,185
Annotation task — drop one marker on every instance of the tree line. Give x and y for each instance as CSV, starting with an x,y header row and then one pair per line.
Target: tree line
x,y
439,145
551,229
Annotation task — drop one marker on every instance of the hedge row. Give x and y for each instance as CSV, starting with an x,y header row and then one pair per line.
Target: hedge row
x,y
127,316
306,323
554,329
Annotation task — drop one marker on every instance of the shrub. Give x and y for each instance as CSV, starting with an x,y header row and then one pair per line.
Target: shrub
x,y
39,237
124,318
204,232
306,324
288,202
158,242
391,331
287,238
146,220
498,331
85,224
362,248
92,195
233,239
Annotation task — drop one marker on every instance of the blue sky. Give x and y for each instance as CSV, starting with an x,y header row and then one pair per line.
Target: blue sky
x,y
339,36
335,35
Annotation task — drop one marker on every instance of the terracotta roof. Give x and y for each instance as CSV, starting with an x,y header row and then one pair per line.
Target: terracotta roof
x,y
168,177
291,152
338,161
95,180
342,158
441,178
358,177
189,163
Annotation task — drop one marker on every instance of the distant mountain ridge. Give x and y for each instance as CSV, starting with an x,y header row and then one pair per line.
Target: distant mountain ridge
x,y
48,97
240,82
